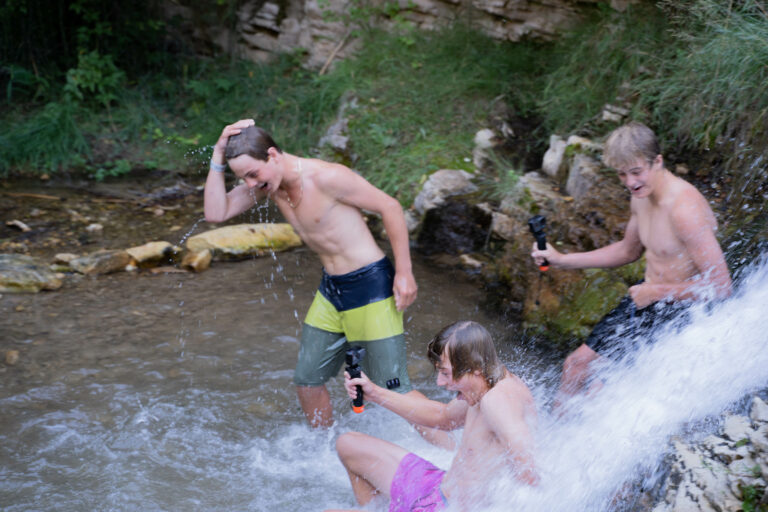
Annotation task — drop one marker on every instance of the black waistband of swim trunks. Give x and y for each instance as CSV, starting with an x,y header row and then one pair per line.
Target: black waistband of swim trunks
x,y
367,284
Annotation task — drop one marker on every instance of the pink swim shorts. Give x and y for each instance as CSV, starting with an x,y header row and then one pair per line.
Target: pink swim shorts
x,y
416,486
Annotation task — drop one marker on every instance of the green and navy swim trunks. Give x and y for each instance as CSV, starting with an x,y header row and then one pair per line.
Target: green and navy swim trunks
x,y
357,308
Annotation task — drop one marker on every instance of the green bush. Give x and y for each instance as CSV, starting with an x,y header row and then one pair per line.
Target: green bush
x,y
45,141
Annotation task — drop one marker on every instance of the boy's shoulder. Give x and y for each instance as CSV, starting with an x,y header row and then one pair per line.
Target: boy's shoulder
x,y
509,388
325,173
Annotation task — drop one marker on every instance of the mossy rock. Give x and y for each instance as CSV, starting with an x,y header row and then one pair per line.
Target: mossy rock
x,y
568,315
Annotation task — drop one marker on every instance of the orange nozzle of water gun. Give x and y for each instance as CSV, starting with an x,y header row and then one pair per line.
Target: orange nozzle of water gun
x,y
543,268
358,409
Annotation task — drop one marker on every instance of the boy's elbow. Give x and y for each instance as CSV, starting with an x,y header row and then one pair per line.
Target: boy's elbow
x,y
214,218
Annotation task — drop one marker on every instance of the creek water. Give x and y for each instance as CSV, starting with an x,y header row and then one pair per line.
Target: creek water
x,y
174,391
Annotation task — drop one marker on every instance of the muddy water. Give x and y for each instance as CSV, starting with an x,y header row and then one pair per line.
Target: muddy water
x,y
174,392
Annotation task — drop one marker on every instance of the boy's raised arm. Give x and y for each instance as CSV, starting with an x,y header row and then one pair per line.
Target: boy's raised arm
x,y
218,204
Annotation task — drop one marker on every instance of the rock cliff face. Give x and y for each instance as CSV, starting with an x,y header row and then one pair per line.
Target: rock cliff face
x,y
322,27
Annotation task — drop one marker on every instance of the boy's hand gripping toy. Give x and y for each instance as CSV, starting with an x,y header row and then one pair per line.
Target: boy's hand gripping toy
x,y
355,355
536,224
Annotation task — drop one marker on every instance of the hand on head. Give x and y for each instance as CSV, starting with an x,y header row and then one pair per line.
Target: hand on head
x,y
227,132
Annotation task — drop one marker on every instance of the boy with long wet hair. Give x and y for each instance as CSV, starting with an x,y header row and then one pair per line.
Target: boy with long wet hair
x,y
362,295
494,406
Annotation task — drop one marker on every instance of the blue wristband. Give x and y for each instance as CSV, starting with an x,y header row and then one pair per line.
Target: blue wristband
x,y
218,167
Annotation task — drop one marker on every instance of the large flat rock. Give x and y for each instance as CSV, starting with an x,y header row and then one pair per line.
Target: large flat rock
x,y
242,240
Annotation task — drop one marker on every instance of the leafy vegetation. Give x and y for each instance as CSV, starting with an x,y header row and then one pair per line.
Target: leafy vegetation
x,y
117,92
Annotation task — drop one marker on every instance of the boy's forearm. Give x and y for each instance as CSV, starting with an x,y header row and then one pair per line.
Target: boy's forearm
x,y
215,197
413,407
397,232
614,255
695,290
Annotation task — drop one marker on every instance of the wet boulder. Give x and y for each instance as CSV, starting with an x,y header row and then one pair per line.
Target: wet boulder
x,y
154,253
440,186
552,163
20,273
197,261
533,193
101,262
243,240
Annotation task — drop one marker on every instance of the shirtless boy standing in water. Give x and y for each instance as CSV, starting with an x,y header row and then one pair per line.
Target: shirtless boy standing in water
x,y
361,296
494,406
674,226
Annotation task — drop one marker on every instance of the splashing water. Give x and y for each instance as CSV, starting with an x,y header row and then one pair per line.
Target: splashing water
x,y
621,433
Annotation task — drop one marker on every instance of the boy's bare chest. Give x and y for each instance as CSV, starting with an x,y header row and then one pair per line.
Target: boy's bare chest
x,y
319,219
477,440
657,235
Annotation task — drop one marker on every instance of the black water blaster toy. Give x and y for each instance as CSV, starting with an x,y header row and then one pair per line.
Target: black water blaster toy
x,y
355,355
537,224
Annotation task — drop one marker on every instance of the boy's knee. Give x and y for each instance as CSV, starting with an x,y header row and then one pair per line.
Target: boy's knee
x,y
580,358
348,443
347,440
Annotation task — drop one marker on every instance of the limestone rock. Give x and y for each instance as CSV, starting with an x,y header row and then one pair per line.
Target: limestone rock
x,y
759,411
504,226
552,164
737,428
614,113
197,261
153,253
441,185
531,189
63,258
412,221
485,140
470,262
101,262
580,144
19,273
11,357
242,240
759,440
582,176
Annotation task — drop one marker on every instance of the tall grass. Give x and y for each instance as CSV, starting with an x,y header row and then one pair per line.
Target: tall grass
x,y
598,62
715,85
422,96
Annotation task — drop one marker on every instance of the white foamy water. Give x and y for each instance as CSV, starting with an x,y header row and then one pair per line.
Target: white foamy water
x,y
620,434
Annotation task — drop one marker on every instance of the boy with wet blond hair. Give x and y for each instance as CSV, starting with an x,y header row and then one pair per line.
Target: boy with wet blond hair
x,y
673,225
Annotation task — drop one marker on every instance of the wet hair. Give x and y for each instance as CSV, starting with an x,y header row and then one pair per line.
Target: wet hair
x,y
470,348
626,144
252,141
